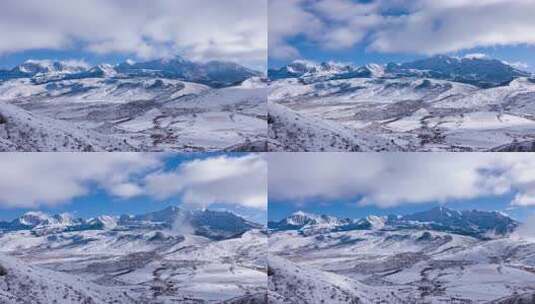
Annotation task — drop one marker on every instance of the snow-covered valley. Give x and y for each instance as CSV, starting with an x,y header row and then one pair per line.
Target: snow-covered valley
x,y
162,105
435,104
436,256
170,256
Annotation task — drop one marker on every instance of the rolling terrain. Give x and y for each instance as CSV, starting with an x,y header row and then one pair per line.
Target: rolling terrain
x,y
170,256
435,104
161,105
435,256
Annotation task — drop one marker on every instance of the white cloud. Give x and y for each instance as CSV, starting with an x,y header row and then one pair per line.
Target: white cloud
x,y
49,179
200,29
449,26
224,179
30,180
388,180
331,24
526,231
424,26
288,19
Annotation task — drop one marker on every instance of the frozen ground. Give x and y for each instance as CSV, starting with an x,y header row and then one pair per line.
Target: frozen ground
x,y
130,112
394,265
394,112
123,264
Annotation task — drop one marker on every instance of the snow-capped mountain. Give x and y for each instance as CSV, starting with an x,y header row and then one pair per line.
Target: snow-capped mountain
x,y
310,223
408,259
32,219
480,224
301,219
161,105
211,224
31,68
169,256
213,73
435,104
481,72
208,223
305,69
470,222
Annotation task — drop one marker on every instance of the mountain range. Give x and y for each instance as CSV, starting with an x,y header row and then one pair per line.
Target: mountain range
x,y
215,225
213,73
481,72
480,224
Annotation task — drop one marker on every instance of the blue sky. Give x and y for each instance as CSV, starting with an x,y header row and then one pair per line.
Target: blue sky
x,y
89,185
361,184
381,31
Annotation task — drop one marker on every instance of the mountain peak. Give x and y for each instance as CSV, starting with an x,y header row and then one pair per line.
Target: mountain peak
x,y
32,66
476,56
444,210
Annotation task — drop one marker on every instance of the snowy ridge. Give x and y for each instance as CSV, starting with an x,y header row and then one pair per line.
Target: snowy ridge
x,y
314,286
206,257
402,264
480,71
28,284
163,105
436,104
211,224
21,130
292,131
480,224
214,73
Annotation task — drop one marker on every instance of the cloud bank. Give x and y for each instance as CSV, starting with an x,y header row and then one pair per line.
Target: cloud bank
x,y
227,180
199,29
331,24
50,179
388,180
402,26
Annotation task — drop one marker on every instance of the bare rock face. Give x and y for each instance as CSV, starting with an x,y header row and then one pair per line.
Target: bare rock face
x,y
3,271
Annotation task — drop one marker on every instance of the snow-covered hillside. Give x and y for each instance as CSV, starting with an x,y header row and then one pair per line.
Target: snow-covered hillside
x,y
438,104
292,131
401,259
177,105
170,256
